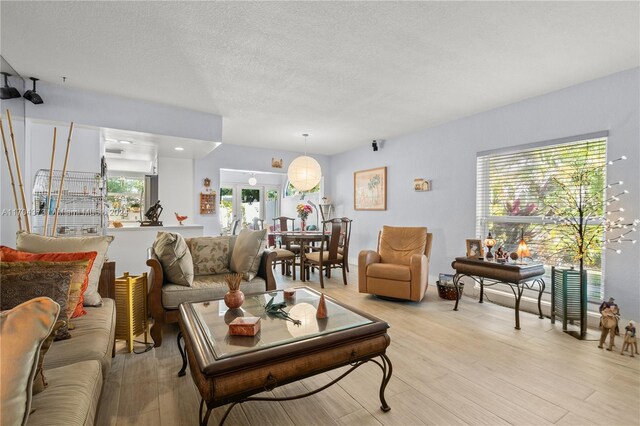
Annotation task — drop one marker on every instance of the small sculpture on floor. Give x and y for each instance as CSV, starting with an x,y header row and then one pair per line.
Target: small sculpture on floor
x,y
607,304
609,322
630,341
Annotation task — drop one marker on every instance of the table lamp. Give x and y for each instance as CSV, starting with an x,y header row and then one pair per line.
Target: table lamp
x,y
523,250
489,242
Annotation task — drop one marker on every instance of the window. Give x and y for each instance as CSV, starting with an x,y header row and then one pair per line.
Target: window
x,y
517,192
125,197
291,191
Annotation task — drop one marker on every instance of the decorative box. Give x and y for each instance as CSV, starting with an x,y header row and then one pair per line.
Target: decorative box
x,y
244,326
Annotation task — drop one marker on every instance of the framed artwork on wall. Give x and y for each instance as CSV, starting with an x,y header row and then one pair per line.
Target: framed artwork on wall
x,y
370,189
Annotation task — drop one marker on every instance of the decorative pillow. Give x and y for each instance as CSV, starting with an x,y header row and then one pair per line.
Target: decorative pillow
x,y
210,255
79,280
34,243
39,381
78,268
174,255
247,251
22,281
22,331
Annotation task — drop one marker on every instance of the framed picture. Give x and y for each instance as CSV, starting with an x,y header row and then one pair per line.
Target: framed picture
x,y
474,248
370,189
421,185
276,163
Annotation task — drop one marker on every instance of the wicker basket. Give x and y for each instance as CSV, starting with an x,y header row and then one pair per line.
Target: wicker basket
x,y
448,291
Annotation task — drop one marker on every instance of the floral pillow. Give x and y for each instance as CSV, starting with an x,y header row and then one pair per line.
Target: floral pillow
x,y
210,255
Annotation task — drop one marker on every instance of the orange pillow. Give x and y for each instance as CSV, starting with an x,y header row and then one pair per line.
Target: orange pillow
x,y
7,254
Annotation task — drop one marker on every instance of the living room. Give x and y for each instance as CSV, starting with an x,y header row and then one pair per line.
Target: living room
x,y
436,85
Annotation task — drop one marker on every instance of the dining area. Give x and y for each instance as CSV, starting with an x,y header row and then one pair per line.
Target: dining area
x,y
302,251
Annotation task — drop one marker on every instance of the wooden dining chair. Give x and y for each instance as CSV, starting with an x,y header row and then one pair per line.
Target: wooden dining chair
x,y
327,257
345,237
286,257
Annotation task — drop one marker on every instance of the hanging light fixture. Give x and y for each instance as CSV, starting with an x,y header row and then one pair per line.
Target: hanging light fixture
x,y
31,95
252,180
304,172
8,92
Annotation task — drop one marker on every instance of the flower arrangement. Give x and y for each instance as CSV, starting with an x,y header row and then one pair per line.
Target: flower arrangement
x,y
303,211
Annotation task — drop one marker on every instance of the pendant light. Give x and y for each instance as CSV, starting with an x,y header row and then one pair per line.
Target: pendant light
x,y
304,172
252,180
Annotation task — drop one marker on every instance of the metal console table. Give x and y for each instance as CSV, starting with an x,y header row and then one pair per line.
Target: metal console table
x,y
517,277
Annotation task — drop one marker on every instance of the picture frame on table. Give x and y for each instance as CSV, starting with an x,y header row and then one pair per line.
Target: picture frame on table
x,y
474,248
370,189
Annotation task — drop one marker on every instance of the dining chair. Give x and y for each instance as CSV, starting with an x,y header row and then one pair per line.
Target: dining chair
x,y
286,256
345,237
326,257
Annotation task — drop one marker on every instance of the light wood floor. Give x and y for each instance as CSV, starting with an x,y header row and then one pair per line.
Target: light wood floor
x,y
449,368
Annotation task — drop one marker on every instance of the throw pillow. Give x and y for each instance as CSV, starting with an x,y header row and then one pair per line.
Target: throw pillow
x,y
79,280
175,258
39,381
34,243
21,283
22,331
78,269
247,251
210,255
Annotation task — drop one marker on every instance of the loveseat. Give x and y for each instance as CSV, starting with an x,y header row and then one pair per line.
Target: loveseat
x,y
211,259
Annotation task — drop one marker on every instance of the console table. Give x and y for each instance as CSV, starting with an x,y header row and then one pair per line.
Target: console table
x,y
517,277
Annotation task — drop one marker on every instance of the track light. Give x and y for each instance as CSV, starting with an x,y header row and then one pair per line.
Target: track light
x,y
374,145
8,92
31,95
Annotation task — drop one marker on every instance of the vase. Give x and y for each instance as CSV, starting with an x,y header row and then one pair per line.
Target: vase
x,y
303,225
234,299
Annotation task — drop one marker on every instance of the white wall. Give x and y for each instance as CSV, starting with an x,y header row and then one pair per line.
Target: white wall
x,y
447,155
65,104
90,111
175,189
242,158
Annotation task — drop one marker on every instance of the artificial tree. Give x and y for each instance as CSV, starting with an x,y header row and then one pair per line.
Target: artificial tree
x,y
582,218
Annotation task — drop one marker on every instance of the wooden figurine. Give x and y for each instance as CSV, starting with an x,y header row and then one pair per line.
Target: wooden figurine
x,y
630,341
609,323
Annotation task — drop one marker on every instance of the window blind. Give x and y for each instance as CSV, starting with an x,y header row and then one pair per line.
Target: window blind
x,y
517,189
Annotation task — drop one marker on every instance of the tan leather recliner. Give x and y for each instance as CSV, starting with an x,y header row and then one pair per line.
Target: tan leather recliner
x,y
400,267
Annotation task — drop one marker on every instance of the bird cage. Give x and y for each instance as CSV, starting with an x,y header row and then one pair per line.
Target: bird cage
x,y
82,210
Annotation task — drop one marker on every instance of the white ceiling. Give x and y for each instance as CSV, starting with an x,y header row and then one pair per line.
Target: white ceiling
x,y
345,72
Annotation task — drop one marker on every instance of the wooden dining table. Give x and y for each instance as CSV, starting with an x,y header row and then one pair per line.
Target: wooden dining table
x,y
303,238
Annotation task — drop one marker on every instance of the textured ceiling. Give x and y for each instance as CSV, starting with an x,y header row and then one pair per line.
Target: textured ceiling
x,y
344,72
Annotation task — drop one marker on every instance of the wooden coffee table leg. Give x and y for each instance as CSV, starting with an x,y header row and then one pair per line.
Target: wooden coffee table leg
x,y
387,370
204,421
183,353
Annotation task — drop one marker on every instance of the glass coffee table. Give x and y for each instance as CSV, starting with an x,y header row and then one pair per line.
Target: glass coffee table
x,y
232,369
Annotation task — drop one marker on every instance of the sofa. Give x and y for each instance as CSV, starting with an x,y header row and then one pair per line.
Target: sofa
x,y
74,368
200,278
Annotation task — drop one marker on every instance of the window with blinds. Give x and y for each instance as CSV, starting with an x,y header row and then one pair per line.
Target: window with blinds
x,y
516,188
